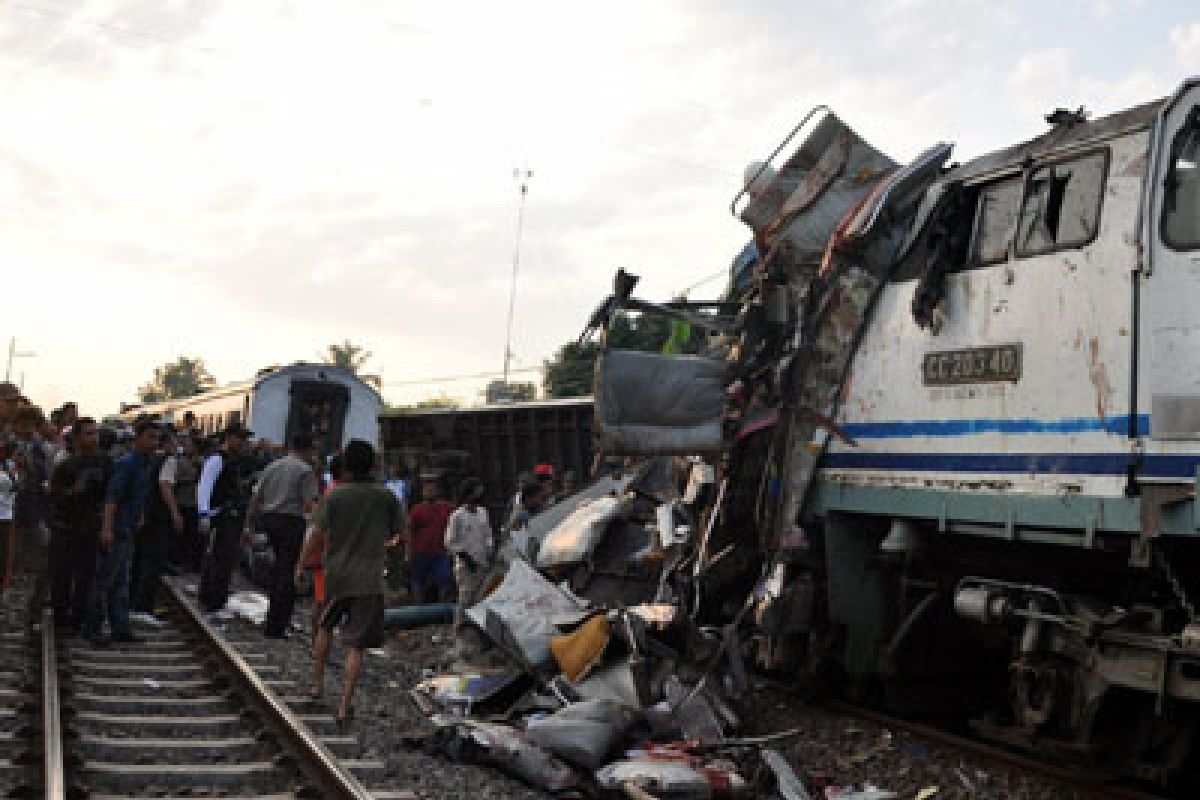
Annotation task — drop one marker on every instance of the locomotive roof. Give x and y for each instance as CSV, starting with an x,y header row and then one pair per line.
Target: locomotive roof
x,y
1058,138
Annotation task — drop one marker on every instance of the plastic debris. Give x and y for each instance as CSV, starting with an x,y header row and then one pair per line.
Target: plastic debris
x,y
250,606
674,780
927,792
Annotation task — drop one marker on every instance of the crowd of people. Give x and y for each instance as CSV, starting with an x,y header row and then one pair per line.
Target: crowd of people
x,y
98,513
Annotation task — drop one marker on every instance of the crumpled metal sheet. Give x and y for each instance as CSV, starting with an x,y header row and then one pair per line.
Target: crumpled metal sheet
x,y
574,539
829,174
526,603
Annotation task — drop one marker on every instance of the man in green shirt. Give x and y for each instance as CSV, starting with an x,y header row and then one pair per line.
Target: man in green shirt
x,y
353,526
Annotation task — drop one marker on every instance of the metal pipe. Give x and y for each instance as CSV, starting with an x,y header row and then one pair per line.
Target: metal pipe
x,y
55,787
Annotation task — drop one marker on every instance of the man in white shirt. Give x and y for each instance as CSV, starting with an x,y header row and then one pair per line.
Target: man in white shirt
x,y
469,541
222,497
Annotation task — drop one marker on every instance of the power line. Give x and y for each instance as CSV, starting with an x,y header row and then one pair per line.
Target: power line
x,y
465,377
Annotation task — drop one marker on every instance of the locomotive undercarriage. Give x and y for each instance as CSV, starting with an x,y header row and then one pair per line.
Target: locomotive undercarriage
x,y
1071,654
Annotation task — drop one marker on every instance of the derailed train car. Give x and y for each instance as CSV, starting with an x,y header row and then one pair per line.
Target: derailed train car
x,y
955,412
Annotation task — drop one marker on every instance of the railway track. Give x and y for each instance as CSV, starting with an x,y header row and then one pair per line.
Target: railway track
x,y
21,773
1079,784
184,714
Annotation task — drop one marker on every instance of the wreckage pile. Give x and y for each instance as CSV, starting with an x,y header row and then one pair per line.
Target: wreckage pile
x,y
590,669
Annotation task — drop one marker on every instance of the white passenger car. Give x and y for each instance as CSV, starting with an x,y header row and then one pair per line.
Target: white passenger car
x,y
330,403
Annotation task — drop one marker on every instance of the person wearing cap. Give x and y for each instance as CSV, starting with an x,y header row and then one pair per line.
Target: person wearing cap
x,y
222,498
124,499
286,494
470,542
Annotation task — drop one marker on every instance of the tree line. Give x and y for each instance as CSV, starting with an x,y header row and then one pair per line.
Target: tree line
x,y
188,376
568,373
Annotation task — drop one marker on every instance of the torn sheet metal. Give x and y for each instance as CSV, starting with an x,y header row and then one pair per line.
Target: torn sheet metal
x,y
607,486
574,539
652,404
859,259
503,747
612,682
696,717
526,603
829,174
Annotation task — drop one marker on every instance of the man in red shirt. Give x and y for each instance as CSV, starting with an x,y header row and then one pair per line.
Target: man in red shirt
x,y
431,571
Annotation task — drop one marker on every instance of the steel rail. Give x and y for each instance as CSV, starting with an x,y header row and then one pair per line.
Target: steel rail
x,y
334,781
1092,786
54,777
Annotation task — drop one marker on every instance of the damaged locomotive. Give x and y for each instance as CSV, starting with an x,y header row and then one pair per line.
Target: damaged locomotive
x,y
954,415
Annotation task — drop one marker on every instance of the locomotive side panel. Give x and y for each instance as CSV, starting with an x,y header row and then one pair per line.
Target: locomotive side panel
x,y
1026,386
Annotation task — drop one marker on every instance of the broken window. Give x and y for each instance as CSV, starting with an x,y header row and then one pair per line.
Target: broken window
x,y
1061,207
1181,198
995,217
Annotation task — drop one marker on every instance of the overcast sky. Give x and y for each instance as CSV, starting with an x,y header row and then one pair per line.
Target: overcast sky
x,y
250,181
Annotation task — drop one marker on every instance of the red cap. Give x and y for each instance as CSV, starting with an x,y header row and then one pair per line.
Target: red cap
x,y
543,469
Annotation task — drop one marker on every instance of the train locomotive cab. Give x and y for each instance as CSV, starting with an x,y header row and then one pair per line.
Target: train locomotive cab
x,y
1005,527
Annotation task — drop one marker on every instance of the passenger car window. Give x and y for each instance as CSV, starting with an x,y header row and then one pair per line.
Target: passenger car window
x,y
1181,197
995,215
1061,207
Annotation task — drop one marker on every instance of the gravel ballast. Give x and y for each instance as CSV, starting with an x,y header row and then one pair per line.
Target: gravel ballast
x,y
833,750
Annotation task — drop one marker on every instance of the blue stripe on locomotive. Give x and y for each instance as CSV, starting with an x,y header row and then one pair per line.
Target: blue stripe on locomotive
x,y
1116,463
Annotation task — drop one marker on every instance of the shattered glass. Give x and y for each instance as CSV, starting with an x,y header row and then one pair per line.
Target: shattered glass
x,y
1062,205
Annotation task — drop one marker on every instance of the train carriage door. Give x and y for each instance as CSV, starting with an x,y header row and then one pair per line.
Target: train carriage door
x,y
318,408
1169,326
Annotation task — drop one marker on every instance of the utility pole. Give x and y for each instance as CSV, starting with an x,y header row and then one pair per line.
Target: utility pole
x,y
13,353
522,176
